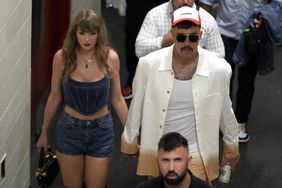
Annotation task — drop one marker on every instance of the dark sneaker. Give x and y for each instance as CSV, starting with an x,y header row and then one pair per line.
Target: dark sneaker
x,y
127,92
243,135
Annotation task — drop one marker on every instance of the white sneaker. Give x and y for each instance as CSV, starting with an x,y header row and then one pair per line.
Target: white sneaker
x,y
243,135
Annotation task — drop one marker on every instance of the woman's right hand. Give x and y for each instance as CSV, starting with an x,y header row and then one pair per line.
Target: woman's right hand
x,y
42,142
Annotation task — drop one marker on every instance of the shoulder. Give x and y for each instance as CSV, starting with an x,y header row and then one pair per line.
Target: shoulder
x,y
156,182
213,60
206,18
210,56
158,54
205,14
155,58
144,184
113,58
196,182
59,54
160,9
58,58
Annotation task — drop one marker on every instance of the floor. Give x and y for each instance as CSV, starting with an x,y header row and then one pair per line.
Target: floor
x,y
260,164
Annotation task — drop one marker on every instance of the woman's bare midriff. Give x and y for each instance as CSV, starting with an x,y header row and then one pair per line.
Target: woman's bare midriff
x,y
103,111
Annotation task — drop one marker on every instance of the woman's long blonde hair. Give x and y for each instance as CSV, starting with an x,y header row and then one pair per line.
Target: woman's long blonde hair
x,y
87,21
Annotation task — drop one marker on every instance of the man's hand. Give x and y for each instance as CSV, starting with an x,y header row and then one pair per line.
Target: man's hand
x,y
232,161
257,22
167,40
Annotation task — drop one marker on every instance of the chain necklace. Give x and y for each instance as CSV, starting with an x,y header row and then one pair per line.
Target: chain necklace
x,y
87,62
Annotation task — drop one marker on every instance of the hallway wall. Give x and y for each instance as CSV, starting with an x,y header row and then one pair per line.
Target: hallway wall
x,y
77,5
15,102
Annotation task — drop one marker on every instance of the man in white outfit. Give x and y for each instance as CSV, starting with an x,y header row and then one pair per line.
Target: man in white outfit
x,y
182,88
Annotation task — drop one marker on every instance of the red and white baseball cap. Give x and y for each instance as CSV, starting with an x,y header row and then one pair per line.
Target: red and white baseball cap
x,y
186,13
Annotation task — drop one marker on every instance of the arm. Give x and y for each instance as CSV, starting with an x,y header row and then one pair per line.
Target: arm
x,y
149,39
53,102
212,40
117,99
229,127
129,144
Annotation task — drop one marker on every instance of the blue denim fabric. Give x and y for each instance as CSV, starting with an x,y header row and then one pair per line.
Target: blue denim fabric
x,y
263,56
87,97
85,137
272,14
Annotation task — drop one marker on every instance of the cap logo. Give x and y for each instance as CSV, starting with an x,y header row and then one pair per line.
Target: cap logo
x,y
185,13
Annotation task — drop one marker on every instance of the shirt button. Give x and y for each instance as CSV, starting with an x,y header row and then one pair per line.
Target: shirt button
x,y
163,110
161,126
167,91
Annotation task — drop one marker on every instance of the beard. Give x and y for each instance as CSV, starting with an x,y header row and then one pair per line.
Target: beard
x,y
174,181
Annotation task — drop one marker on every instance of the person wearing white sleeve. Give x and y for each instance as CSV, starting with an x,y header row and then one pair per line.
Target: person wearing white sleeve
x,y
182,88
155,31
135,13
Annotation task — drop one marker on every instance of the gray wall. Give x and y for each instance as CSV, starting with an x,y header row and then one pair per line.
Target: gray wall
x,y
15,79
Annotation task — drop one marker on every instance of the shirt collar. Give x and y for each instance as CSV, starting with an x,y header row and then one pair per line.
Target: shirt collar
x,y
202,67
166,64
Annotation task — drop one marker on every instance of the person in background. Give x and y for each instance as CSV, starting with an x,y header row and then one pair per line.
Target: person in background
x,y
86,74
135,12
173,159
231,18
182,88
155,31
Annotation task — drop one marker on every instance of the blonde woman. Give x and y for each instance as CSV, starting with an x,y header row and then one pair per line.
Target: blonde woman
x,y
86,75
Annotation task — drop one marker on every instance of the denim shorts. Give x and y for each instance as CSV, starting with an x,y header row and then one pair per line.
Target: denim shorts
x,y
85,137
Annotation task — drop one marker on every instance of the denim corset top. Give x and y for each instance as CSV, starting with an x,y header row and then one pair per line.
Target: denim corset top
x,y
87,97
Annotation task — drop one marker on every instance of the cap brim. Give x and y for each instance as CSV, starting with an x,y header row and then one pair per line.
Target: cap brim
x,y
186,19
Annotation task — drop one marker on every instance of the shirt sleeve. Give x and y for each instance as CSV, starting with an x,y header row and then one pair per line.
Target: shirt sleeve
x,y
228,124
129,144
148,39
212,40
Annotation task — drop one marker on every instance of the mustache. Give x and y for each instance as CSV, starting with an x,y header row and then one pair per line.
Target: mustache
x,y
186,47
171,173
185,4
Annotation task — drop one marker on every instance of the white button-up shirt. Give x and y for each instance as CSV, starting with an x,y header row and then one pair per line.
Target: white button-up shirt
x,y
152,88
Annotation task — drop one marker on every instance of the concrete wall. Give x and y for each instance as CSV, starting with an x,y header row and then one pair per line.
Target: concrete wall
x,y
78,5
15,73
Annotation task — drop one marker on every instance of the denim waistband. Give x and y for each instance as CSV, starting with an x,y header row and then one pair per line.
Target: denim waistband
x,y
84,122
